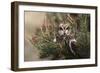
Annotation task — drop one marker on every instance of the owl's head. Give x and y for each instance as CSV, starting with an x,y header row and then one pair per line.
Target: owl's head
x,y
64,29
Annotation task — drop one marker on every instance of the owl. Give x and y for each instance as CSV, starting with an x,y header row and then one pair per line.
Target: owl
x,y
63,31
64,34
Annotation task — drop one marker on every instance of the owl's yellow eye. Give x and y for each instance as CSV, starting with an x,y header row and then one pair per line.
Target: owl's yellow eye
x,y
67,28
61,28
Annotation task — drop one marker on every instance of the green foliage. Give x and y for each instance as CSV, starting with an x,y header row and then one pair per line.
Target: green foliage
x,y
83,37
